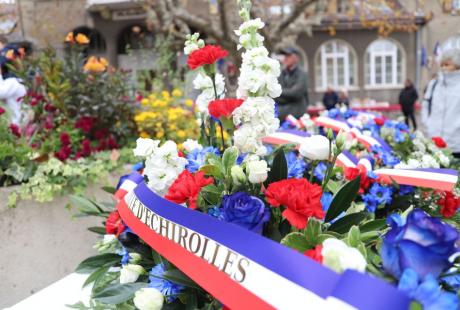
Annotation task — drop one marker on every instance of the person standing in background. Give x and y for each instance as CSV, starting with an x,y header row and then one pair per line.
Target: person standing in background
x,y
441,102
330,99
11,91
294,82
407,99
343,98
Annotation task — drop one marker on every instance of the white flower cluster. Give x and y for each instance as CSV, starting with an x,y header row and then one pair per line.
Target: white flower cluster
x,y
193,43
426,155
258,85
204,83
162,164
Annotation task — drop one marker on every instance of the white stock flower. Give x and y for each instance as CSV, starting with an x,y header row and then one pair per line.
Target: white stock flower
x,y
129,273
339,256
428,161
258,171
163,166
443,159
145,147
148,298
109,238
204,83
315,148
190,145
193,43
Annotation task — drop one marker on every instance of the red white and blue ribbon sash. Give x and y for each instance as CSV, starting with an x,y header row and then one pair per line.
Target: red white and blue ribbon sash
x,y
286,136
242,269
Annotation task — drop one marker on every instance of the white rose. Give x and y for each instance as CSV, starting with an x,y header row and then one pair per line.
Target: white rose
x,y
315,148
190,145
258,171
129,273
339,256
145,147
148,298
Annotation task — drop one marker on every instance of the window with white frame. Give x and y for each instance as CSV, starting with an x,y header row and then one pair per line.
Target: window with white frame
x,y
335,65
456,5
384,65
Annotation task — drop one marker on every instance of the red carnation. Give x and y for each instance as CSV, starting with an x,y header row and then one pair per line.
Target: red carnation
x,y
315,253
15,130
187,187
301,199
439,142
85,148
85,123
449,204
65,138
112,143
101,134
379,121
2,110
50,108
64,153
207,55
223,107
114,225
353,173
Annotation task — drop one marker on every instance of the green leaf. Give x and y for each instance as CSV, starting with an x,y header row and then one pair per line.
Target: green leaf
x,y
212,170
97,230
84,205
279,169
373,225
343,199
323,237
211,194
229,159
96,275
95,262
177,276
109,189
354,237
118,293
297,241
344,224
333,186
312,232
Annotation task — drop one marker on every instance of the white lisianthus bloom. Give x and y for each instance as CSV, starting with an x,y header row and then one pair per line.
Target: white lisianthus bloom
x,y
109,238
315,148
339,256
258,171
191,145
148,298
145,147
129,273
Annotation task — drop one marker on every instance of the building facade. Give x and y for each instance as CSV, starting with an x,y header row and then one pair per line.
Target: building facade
x,y
349,49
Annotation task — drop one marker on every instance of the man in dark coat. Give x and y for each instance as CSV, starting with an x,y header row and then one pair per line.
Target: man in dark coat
x,y
407,99
330,99
294,82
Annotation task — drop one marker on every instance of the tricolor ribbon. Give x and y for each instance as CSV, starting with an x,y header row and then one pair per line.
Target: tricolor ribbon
x,y
440,179
334,124
294,121
242,269
286,136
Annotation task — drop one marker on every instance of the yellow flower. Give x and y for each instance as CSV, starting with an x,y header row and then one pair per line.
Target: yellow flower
x,y
81,39
94,65
104,61
165,95
145,101
10,55
152,97
144,135
177,93
172,127
160,134
181,134
158,124
139,117
189,102
69,38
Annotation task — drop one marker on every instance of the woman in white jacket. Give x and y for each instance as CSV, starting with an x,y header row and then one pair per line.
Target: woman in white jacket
x,y
441,104
11,91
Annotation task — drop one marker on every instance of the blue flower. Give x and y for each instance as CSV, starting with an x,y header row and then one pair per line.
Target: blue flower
x,y
406,190
422,243
215,212
287,125
169,289
296,165
326,200
320,171
399,136
452,280
350,113
387,157
245,210
378,195
124,256
196,158
426,291
334,113
402,126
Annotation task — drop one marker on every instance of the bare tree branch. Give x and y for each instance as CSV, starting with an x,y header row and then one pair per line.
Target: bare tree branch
x,y
198,23
297,11
223,18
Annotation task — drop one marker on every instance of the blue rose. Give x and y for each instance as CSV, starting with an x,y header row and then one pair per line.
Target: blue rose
x,y
422,243
245,210
197,158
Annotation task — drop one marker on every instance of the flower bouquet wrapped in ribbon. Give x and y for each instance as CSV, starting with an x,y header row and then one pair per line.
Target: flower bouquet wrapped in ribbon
x,y
274,218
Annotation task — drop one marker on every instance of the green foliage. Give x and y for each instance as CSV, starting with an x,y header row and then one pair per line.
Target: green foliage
x,y
343,199
279,170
